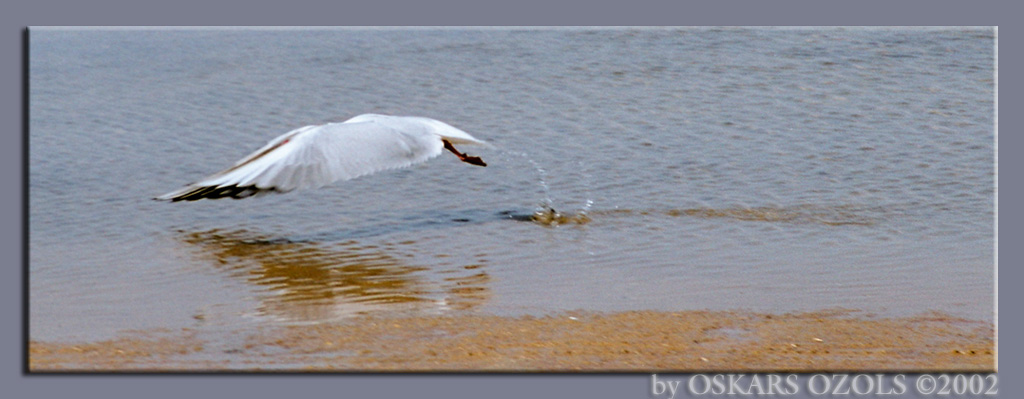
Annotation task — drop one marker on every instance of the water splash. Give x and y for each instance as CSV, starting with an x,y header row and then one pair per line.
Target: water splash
x,y
585,177
545,213
542,175
542,180
550,217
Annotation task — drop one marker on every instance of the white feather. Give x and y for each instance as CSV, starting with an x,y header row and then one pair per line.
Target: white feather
x,y
314,156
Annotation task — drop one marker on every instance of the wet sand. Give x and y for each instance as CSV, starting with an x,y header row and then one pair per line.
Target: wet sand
x,y
588,342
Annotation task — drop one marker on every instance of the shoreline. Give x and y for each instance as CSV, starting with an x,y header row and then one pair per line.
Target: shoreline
x,y
632,341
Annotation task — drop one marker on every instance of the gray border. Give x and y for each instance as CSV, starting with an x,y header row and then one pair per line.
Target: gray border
x,y
410,12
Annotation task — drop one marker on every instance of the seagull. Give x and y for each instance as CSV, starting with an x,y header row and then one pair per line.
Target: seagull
x,y
317,155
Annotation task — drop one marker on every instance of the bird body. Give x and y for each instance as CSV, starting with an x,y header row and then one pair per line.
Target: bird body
x,y
314,156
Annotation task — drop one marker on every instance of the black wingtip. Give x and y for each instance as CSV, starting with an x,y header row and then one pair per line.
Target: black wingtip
x,y
218,192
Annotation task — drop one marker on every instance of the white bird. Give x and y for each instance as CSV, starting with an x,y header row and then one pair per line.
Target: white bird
x,y
314,156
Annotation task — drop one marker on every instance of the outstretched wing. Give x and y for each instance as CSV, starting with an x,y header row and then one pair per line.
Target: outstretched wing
x,y
313,156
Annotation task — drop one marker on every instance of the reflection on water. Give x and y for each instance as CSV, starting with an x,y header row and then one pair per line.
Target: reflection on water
x,y
326,277
316,281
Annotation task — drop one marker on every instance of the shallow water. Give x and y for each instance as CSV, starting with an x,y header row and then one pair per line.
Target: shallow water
x,y
775,170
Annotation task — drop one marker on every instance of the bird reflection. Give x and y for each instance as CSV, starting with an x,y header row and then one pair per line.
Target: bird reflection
x,y
317,281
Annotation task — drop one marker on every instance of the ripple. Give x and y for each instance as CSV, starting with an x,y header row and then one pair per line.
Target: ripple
x,y
832,216
816,214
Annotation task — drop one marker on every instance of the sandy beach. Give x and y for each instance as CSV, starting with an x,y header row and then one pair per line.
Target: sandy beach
x,y
638,341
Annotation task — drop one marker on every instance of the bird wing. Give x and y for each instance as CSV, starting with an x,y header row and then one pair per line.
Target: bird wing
x,y
313,156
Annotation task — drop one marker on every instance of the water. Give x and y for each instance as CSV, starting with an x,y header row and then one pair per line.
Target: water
x,y
774,170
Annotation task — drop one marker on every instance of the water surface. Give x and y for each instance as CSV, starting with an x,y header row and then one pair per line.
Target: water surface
x,y
774,170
